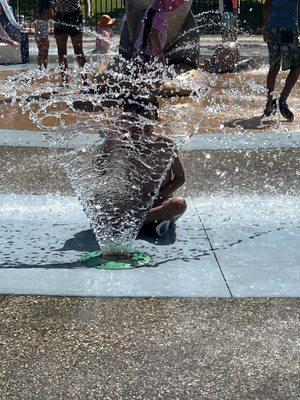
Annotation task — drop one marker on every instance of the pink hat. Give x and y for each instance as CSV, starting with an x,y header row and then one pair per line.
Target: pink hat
x,y
166,5
106,20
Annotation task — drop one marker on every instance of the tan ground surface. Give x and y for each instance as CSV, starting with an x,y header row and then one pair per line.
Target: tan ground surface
x,y
228,102
145,349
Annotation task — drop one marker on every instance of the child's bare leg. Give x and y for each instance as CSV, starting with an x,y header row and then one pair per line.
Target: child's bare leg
x,y
168,210
78,51
291,81
45,53
39,46
271,80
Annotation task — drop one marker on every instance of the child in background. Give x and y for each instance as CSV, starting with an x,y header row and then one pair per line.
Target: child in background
x,y
44,14
104,30
229,19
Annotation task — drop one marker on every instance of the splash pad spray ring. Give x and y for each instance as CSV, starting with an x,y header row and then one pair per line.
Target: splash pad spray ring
x,y
96,259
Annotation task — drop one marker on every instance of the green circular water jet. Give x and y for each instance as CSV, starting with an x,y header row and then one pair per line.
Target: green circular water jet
x,y
137,259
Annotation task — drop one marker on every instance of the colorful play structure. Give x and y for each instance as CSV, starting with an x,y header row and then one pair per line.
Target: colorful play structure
x,y
11,30
182,46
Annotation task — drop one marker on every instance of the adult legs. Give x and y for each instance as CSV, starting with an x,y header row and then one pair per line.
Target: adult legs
x,y
40,57
271,81
291,81
78,49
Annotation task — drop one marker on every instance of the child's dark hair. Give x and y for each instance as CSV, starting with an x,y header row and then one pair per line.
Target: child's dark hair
x,y
141,105
44,5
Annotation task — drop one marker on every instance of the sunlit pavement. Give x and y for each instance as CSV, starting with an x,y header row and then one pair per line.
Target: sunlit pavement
x,y
237,239
145,349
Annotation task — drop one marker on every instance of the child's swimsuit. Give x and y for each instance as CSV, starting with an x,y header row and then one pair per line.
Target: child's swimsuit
x,y
41,29
103,42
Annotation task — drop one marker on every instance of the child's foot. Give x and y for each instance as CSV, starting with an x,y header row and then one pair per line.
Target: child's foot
x,y
64,85
64,79
162,228
85,80
271,108
285,111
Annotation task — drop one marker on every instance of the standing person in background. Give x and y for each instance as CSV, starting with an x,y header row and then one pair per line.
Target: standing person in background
x,y
69,22
104,30
44,14
281,34
229,19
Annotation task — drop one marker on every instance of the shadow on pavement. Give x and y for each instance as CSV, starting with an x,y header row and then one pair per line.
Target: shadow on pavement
x,y
258,122
86,240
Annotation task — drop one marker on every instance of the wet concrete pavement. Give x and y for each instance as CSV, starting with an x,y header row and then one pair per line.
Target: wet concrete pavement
x,y
34,170
225,103
218,249
186,349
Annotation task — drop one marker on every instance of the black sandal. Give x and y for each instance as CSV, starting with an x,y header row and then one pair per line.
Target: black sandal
x,y
285,111
268,113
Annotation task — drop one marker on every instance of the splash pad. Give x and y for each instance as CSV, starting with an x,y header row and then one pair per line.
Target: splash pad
x,y
58,115
117,171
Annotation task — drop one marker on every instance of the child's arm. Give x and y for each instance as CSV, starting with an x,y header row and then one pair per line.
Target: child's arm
x,y
8,41
177,181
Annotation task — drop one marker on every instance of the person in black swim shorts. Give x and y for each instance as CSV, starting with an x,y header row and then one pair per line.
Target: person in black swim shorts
x,y
69,22
281,33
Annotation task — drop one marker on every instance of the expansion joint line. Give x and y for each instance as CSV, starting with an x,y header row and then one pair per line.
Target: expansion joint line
x,y
213,251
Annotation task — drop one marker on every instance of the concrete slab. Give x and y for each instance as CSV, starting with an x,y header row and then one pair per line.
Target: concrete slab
x,y
295,137
145,349
243,141
43,238
28,170
256,241
221,141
